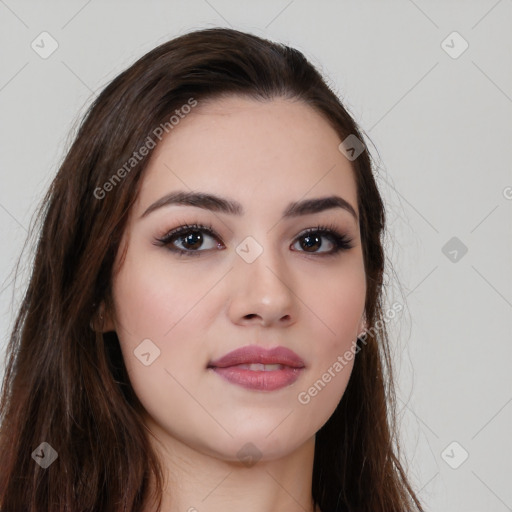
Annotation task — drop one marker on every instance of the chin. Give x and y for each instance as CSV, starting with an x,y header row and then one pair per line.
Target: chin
x,y
258,447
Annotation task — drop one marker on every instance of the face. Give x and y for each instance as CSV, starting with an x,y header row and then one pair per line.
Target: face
x,y
242,274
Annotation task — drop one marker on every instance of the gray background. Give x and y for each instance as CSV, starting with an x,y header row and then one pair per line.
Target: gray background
x,y
442,127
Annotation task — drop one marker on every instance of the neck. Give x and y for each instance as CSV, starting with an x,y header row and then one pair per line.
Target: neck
x,y
196,481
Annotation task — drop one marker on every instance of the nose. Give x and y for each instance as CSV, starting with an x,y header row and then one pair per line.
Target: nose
x,y
262,292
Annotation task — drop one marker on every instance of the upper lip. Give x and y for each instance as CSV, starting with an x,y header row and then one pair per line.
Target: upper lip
x,y
255,354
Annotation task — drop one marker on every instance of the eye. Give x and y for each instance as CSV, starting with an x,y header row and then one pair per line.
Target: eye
x,y
312,239
192,238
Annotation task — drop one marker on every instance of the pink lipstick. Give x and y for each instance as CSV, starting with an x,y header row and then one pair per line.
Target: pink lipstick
x,y
254,367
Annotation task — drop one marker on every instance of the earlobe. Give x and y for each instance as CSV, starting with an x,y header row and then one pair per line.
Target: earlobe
x,y
107,325
101,321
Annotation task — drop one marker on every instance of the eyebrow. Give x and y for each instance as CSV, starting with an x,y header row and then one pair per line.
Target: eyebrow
x,y
223,205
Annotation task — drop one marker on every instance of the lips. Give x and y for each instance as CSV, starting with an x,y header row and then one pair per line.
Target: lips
x,y
259,369
254,354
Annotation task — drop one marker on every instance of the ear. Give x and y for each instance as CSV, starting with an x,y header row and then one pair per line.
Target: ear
x,y
101,320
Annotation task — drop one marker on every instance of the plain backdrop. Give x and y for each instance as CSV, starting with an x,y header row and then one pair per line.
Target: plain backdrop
x,y
430,82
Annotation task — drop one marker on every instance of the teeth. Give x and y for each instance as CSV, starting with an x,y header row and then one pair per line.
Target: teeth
x,y
261,367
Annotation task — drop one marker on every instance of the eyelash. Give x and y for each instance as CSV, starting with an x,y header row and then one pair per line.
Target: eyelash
x,y
341,242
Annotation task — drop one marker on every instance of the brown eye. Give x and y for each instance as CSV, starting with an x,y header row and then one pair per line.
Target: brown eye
x,y
192,239
311,241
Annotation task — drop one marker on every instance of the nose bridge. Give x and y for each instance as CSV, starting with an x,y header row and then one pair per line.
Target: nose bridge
x,y
261,264
261,281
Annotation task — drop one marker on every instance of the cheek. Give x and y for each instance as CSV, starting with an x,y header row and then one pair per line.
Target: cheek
x,y
337,305
151,299
160,338
161,312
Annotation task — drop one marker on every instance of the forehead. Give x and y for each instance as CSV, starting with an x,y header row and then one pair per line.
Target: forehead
x,y
262,152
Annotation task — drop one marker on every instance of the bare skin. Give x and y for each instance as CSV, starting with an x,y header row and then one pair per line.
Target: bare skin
x,y
197,307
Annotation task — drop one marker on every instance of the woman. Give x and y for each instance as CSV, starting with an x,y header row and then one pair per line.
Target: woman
x,y
203,328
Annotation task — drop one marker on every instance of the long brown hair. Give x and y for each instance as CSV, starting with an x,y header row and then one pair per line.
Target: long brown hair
x,y
67,385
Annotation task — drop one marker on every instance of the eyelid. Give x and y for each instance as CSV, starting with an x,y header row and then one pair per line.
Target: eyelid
x,y
165,239
339,238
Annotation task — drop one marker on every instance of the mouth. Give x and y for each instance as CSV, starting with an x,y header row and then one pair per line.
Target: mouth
x,y
254,367
260,367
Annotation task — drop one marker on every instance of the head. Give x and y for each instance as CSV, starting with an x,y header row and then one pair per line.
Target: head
x,y
119,326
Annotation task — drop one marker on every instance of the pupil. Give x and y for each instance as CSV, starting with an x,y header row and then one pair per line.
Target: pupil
x,y
191,237
314,239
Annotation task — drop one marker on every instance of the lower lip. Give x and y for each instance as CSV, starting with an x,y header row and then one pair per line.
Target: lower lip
x,y
260,380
